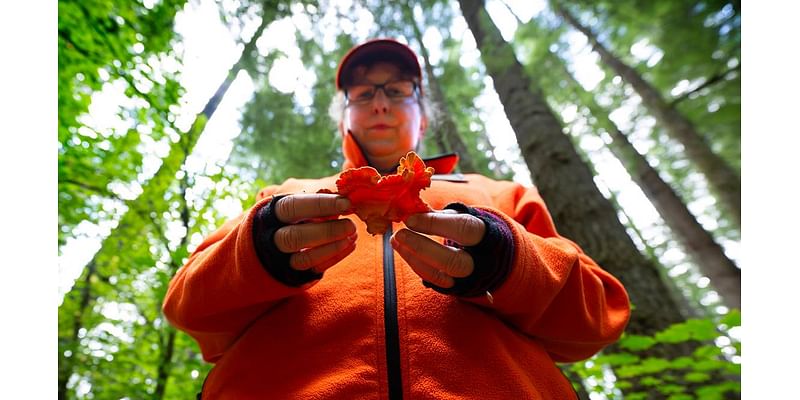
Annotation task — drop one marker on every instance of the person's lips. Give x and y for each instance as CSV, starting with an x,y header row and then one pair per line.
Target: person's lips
x,y
380,126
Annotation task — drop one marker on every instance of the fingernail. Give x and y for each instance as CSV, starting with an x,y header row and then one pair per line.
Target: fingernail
x,y
342,204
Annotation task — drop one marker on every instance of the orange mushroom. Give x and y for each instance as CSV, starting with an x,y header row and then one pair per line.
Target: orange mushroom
x,y
380,200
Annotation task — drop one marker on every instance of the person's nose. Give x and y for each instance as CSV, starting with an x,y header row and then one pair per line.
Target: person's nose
x,y
380,103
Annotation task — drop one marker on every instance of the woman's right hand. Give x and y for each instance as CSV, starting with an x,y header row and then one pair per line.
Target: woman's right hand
x,y
314,243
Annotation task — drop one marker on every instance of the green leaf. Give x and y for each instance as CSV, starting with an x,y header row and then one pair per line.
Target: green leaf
x,y
732,318
636,342
682,362
696,377
693,329
650,381
706,352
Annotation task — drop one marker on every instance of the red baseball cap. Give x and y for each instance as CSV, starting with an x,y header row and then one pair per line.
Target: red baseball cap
x,y
384,49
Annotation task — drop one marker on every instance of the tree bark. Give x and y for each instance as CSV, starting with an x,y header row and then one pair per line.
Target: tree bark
x,y
165,363
722,179
709,256
444,127
579,210
698,243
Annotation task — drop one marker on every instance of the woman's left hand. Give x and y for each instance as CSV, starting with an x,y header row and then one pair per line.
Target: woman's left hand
x,y
432,260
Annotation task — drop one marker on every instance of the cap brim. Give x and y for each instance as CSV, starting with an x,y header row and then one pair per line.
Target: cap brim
x,y
377,49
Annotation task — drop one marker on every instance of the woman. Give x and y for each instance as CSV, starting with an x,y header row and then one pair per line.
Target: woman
x,y
291,308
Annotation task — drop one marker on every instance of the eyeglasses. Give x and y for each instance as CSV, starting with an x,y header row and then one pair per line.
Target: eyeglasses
x,y
395,91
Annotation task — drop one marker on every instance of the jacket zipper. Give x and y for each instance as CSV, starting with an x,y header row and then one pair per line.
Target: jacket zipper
x,y
390,319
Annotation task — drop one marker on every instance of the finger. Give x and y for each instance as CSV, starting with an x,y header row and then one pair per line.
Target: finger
x,y
463,228
452,262
322,257
297,207
421,268
293,238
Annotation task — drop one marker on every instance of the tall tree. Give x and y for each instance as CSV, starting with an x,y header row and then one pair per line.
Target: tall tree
x,y
102,44
580,211
558,154
445,127
699,75
167,333
706,253
565,182
724,181
106,262
278,133
689,50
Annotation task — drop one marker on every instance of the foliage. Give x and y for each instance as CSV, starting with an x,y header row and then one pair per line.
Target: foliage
x,y
669,376
103,45
278,134
111,333
545,52
124,338
690,51
693,43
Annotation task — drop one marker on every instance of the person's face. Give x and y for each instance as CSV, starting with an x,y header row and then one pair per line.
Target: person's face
x,y
386,128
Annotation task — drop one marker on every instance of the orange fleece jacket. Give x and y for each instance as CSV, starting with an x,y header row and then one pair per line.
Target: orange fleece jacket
x,y
325,340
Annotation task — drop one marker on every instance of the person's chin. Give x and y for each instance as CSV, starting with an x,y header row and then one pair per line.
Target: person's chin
x,y
381,133
382,148
386,157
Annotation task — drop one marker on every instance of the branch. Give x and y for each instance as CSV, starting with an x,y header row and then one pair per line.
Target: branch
x,y
97,189
710,81
508,7
162,236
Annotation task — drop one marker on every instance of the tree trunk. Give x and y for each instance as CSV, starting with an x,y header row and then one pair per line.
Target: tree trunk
x,y
725,277
84,297
722,179
168,346
580,211
445,128
698,243
566,183
686,309
165,363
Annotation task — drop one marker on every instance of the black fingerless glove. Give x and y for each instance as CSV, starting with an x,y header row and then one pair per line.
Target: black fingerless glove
x,y
276,262
492,257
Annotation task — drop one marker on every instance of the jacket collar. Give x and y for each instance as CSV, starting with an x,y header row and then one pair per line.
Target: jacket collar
x,y
354,157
